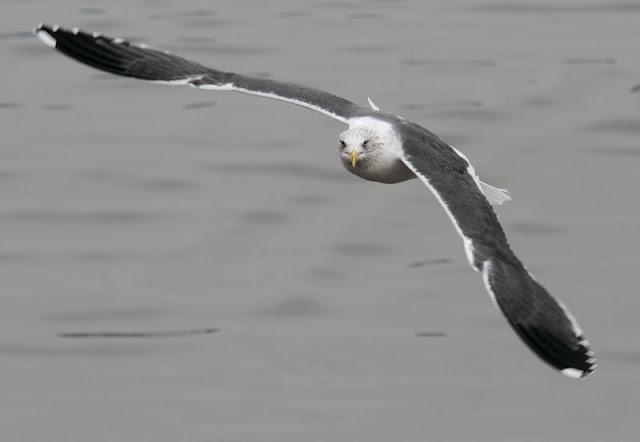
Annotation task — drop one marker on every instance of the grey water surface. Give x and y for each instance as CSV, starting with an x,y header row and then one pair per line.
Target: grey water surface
x,y
344,310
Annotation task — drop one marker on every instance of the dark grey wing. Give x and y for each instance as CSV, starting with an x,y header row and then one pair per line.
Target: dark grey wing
x,y
540,320
121,57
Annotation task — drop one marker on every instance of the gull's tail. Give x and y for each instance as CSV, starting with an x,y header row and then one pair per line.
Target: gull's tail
x,y
541,321
495,195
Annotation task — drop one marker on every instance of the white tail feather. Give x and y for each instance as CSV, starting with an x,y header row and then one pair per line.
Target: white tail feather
x,y
495,195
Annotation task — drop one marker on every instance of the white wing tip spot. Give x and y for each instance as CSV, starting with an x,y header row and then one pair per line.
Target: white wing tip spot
x,y
573,373
46,38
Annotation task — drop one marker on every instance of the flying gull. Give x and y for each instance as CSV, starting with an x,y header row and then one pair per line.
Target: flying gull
x,y
379,146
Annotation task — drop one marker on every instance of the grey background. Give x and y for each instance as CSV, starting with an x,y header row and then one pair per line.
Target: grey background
x,y
130,206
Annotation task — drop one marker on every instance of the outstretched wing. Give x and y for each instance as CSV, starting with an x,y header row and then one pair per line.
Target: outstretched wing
x,y
540,320
121,57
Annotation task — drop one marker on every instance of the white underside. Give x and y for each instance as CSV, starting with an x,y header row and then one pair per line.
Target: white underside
x,y
468,250
232,87
486,270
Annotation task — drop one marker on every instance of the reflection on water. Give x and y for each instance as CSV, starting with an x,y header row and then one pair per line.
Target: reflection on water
x,y
55,107
199,105
10,105
361,249
295,307
434,334
629,126
140,334
430,262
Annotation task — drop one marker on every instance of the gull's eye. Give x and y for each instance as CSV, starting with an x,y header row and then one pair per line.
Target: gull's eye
x,y
343,144
365,143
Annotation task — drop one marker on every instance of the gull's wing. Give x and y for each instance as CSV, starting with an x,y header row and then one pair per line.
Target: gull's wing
x,y
121,57
540,320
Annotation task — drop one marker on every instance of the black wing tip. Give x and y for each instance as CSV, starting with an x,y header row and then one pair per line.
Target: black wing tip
x,y
570,355
588,364
543,323
49,34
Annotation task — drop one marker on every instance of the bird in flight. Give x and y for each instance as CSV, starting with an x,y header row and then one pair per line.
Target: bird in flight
x,y
379,146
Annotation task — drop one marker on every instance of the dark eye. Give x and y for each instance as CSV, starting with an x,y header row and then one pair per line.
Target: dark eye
x,y
343,144
364,143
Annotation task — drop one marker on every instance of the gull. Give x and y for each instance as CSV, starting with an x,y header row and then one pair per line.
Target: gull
x,y
379,146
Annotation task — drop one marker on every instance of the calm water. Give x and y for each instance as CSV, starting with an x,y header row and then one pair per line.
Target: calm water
x,y
344,310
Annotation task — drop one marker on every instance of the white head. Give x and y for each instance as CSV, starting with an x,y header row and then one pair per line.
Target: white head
x,y
365,140
371,148
357,143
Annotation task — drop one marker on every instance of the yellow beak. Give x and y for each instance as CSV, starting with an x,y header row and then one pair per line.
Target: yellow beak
x,y
354,157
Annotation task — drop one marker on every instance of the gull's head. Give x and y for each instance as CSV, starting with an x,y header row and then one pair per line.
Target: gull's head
x,y
371,148
357,144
